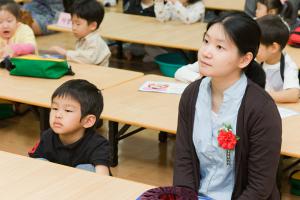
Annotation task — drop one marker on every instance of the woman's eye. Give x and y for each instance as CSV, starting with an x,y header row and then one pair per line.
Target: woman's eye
x,y
219,47
53,108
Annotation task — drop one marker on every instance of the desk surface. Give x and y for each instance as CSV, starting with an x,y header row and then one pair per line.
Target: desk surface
x,y
144,109
27,178
290,136
37,91
149,31
224,4
159,111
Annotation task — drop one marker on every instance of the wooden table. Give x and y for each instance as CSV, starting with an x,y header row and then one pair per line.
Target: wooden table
x,y
38,91
142,109
290,136
26,178
224,4
149,31
159,112
151,110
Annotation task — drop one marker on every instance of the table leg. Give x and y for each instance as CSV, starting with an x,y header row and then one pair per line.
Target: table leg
x,y
120,50
44,118
162,136
113,142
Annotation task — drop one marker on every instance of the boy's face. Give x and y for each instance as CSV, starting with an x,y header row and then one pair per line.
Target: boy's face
x,y
8,24
265,52
261,10
81,28
65,116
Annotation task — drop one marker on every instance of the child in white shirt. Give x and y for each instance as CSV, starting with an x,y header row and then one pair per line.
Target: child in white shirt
x,y
275,35
282,86
187,11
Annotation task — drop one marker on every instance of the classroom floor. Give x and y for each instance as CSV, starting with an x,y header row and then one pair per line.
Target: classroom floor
x,y
142,157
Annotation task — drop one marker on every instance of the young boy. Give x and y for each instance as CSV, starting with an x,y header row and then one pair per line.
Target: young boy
x,y
72,139
275,34
90,48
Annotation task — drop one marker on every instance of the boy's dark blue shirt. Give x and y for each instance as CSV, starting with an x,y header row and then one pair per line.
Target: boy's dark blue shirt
x,y
92,148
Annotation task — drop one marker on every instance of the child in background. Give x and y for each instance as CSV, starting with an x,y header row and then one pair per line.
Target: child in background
x,y
16,38
275,34
43,12
72,139
90,48
187,11
188,73
143,8
140,7
284,8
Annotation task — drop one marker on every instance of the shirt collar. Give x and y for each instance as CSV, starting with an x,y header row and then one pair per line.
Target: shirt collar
x,y
273,66
237,88
90,35
234,91
59,144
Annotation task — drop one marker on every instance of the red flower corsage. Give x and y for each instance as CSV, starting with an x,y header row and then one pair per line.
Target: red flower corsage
x,y
227,140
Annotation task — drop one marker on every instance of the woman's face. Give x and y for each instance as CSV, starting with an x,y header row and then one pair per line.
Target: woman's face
x,y
261,10
218,55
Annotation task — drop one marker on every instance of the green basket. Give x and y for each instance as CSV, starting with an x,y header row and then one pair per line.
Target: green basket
x,y
168,63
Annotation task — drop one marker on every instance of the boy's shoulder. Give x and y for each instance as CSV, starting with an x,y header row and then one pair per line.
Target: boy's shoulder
x,y
94,138
288,60
94,38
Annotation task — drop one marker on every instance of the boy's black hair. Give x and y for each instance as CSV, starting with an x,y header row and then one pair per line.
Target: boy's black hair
x,y
273,29
90,10
12,7
86,93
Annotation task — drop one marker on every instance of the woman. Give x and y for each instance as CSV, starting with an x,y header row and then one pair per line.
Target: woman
x,y
229,129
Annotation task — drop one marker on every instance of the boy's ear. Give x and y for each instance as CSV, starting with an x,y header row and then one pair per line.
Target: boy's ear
x,y
245,60
275,47
93,26
88,121
273,11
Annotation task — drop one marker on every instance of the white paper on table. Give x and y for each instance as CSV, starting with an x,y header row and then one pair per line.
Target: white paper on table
x,y
285,112
163,87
